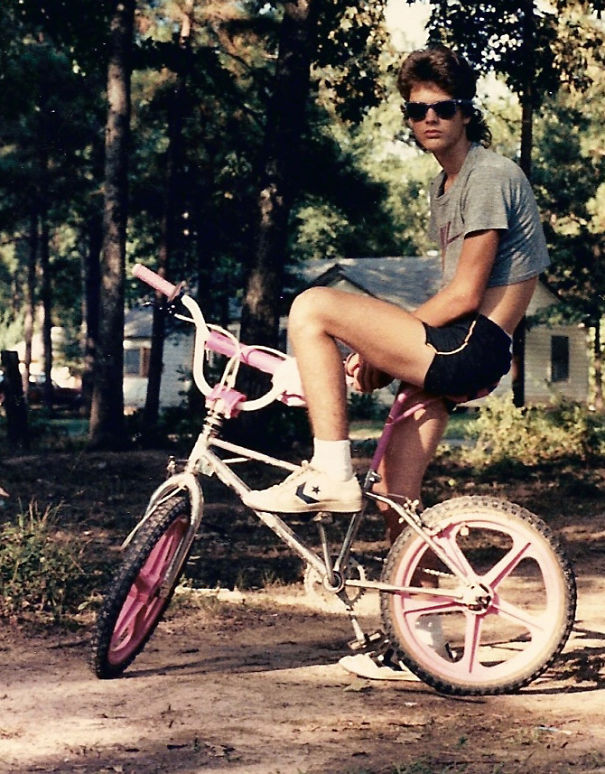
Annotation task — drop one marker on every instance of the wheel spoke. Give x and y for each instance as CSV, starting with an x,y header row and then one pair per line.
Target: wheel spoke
x,y
145,584
507,564
536,625
472,641
448,542
131,620
415,607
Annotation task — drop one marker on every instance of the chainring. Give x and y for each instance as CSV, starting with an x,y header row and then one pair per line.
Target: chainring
x,y
315,589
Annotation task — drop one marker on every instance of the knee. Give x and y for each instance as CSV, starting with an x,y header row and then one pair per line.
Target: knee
x,y
308,309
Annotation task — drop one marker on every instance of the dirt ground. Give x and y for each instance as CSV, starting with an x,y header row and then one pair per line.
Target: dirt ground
x,y
248,681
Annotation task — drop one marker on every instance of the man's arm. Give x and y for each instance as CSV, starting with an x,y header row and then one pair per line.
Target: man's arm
x,y
464,294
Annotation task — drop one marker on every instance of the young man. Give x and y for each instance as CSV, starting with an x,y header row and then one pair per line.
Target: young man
x,y
484,216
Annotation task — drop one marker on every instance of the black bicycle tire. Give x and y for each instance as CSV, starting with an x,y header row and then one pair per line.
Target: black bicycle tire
x,y
160,520
440,514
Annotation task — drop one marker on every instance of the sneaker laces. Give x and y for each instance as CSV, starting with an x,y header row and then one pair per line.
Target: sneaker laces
x,y
304,468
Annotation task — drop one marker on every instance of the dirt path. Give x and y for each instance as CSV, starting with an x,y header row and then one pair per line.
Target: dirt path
x,y
251,685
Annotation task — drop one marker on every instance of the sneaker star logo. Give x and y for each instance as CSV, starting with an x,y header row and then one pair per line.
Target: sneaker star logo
x,y
308,499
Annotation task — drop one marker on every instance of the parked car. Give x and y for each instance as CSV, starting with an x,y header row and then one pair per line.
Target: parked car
x,y
62,397
67,397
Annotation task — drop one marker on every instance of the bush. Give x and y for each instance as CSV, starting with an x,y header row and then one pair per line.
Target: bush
x,y
505,432
366,406
40,576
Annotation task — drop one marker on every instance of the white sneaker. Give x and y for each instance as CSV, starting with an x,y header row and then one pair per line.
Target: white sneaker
x,y
430,632
375,667
307,491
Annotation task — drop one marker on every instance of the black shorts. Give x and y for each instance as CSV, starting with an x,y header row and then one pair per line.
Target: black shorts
x,y
471,356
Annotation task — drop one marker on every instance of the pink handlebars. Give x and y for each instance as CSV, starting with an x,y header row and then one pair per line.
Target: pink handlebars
x,y
263,361
155,281
286,380
217,342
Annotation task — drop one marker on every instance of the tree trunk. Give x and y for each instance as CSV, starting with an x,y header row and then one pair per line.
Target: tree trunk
x,y
107,410
91,281
285,119
14,402
527,117
46,297
172,211
30,296
599,402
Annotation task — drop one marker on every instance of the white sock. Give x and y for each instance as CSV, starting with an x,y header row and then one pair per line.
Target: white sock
x,y
333,458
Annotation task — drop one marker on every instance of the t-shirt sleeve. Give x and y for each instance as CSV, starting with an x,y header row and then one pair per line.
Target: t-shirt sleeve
x,y
487,201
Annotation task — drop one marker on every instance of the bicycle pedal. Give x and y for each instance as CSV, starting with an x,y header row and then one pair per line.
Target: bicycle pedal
x,y
370,642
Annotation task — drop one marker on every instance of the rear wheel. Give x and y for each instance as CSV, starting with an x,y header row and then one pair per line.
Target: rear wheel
x,y
135,600
501,624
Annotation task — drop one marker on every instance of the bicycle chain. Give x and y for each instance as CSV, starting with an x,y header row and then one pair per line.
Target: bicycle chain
x,y
437,573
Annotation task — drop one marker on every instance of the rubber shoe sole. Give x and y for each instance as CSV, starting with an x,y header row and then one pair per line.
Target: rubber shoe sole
x,y
364,665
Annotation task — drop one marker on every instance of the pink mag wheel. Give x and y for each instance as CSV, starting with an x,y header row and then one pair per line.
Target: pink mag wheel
x,y
143,604
134,601
502,626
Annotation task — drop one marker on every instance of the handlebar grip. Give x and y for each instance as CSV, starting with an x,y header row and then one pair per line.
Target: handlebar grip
x,y
155,281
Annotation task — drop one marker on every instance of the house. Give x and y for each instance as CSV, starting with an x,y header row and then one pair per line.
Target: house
x,y
178,355
556,357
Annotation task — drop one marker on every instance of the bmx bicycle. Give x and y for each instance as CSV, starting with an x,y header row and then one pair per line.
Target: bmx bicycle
x,y
488,578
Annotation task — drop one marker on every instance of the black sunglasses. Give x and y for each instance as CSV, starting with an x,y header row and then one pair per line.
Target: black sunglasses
x,y
445,108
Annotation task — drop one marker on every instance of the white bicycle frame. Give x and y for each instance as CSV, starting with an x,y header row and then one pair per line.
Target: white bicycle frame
x,y
224,402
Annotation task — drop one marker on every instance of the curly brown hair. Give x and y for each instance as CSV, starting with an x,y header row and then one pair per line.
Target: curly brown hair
x,y
451,72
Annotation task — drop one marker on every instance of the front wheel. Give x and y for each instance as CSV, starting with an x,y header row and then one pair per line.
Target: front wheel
x,y
493,617
136,598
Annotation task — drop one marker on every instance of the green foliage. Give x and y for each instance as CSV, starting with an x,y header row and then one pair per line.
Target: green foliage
x,y
40,572
505,433
366,406
287,431
550,46
569,176
11,329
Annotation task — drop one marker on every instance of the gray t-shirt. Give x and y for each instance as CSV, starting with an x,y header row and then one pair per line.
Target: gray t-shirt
x,y
490,192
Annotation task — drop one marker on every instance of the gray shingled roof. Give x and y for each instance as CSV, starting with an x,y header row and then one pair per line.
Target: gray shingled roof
x,y
404,280
407,281
138,322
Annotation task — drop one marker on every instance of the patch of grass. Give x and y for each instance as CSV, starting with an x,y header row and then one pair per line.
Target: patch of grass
x,y
458,427
41,576
186,599
49,431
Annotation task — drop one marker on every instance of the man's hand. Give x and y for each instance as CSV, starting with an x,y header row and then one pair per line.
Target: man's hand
x,y
364,377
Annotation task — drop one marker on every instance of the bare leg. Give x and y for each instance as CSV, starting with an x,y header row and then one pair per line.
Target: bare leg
x,y
412,447
384,335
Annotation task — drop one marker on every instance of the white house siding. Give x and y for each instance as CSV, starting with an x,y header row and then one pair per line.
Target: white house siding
x,y
178,355
539,387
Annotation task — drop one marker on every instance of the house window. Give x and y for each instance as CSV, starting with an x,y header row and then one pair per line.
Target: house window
x,y
559,358
136,361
